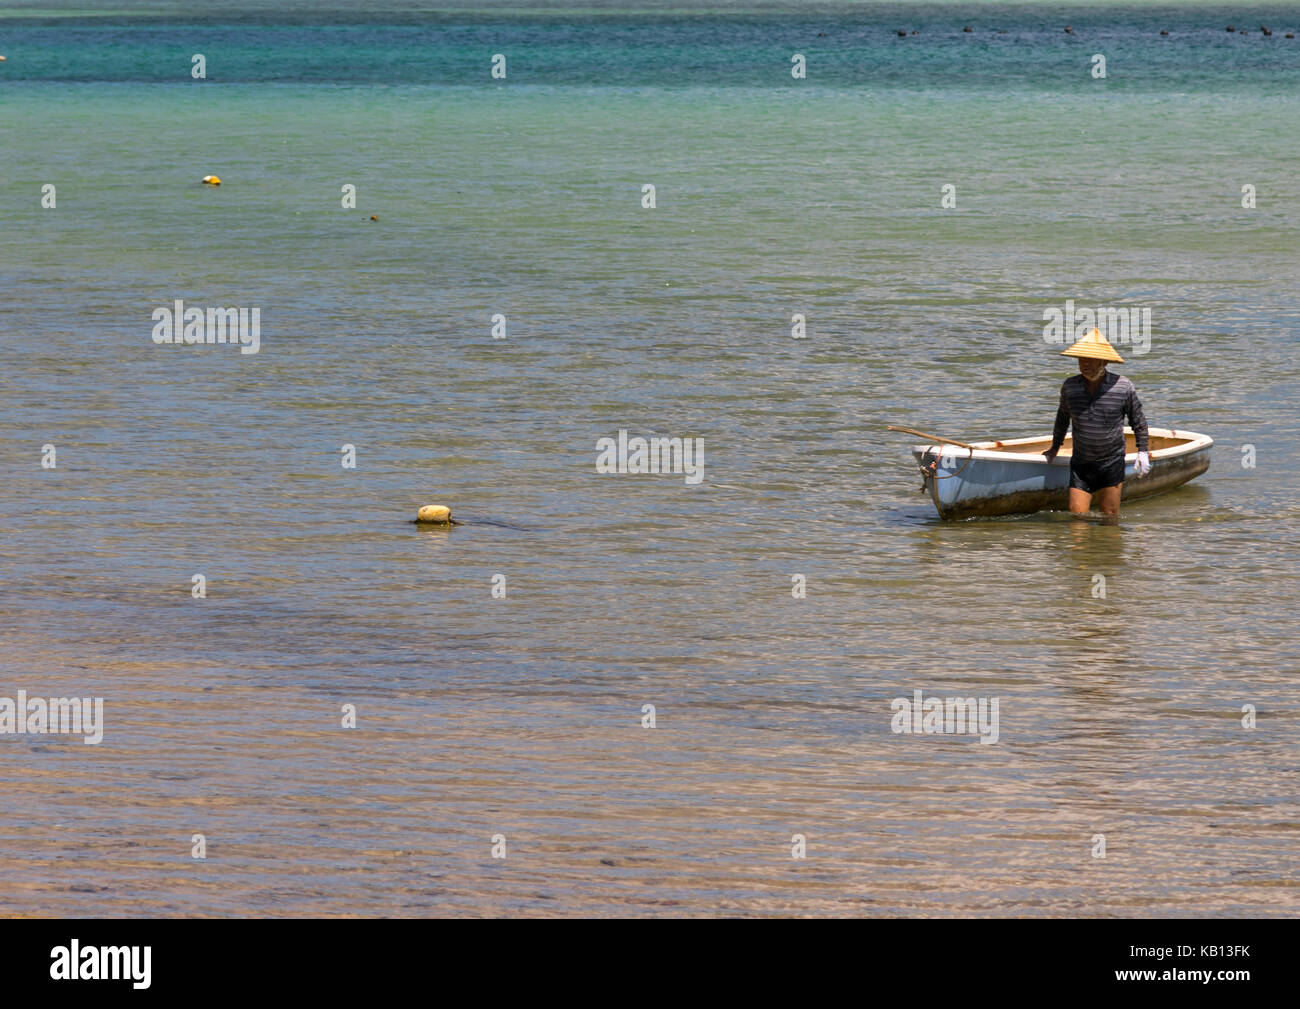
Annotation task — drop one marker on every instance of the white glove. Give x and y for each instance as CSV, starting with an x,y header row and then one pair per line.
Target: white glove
x,y
1144,463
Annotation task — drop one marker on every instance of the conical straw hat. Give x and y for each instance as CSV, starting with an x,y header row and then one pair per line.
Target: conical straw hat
x,y
1094,345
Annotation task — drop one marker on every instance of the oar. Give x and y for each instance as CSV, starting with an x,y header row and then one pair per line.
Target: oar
x,y
930,437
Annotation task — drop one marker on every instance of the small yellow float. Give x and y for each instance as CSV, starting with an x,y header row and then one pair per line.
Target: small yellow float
x,y
438,515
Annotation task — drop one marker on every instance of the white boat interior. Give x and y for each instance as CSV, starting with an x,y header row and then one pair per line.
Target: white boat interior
x,y
1161,442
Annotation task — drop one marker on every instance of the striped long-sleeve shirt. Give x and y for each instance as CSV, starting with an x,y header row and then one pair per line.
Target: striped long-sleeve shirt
x,y
1098,419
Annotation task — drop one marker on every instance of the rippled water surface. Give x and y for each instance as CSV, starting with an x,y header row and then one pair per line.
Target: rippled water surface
x,y
521,716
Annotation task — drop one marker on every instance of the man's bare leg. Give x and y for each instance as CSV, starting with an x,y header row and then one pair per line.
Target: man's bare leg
x,y
1110,500
1080,501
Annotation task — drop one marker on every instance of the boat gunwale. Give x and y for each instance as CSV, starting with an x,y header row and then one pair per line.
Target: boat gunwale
x,y
1193,441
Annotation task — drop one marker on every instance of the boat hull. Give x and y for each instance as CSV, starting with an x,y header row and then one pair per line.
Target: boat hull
x,y
1008,478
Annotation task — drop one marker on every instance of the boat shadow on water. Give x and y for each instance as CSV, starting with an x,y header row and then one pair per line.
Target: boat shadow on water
x,y
1185,503
1188,503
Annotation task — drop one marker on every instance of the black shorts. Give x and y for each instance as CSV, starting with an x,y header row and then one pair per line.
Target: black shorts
x,y
1093,476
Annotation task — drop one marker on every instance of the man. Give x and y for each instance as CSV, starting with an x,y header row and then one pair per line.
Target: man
x,y
1094,403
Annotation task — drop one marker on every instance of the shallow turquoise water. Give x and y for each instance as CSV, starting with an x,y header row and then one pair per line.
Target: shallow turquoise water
x,y
521,715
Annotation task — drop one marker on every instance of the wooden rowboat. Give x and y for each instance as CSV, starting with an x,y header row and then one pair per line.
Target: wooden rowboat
x,y
1010,477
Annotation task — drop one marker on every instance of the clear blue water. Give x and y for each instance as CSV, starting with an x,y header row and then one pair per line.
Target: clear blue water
x,y
522,715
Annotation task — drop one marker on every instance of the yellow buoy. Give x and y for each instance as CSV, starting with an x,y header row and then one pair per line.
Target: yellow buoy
x,y
211,180
434,513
